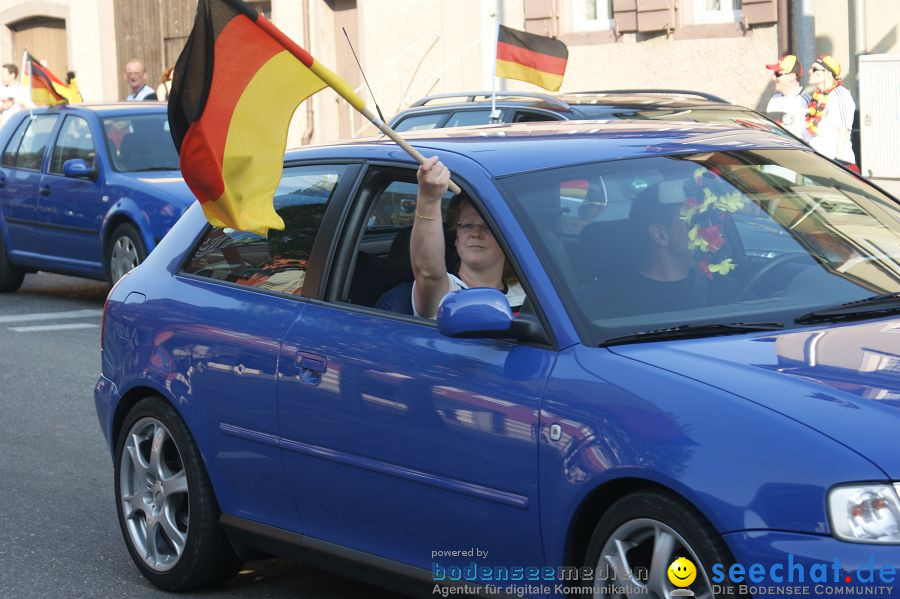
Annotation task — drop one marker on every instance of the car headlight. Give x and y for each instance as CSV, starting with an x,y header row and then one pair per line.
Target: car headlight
x,y
865,513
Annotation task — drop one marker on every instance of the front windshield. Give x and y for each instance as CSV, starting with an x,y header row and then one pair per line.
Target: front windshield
x,y
742,117
141,143
712,237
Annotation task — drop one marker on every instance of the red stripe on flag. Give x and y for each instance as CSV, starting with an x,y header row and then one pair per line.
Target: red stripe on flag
x,y
240,51
535,60
289,45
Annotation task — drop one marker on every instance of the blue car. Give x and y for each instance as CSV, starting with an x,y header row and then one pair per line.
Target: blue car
x,y
622,433
86,190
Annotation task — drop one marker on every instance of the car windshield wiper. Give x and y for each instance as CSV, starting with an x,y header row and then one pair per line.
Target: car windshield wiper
x,y
877,305
687,331
155,168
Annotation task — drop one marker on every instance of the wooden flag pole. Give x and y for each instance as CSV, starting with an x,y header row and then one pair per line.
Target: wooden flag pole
x,y
401,142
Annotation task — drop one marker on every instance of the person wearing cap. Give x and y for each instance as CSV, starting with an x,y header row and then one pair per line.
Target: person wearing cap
x,y
829,118
789,103
667,275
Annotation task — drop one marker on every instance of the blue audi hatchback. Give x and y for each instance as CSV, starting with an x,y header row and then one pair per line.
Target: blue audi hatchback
x,y
273,395
86,190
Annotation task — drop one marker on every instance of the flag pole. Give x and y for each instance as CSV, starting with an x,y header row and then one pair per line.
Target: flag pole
x,y
340,86
495,116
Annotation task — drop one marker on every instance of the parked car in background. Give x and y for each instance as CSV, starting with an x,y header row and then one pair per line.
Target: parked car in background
x,y
258,394
474,108
86,190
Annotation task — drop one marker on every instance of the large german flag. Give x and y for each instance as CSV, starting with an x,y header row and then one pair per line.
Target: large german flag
x,y
529,57
236,85
46,88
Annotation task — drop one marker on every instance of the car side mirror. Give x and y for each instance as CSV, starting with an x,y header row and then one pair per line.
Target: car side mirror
x,y
79,169
484,312
472,313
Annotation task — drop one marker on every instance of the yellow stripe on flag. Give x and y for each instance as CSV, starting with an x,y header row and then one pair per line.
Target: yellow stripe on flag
x,y
514,70
254,149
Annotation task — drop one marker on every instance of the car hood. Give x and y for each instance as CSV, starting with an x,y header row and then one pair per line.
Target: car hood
x,y
843,381
166,184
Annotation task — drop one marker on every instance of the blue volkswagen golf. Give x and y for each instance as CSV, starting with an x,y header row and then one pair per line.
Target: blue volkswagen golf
x,y
86,190
700,392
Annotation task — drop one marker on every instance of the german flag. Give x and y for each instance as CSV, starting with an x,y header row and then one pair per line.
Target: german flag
x,y
532,58
235,87
46,88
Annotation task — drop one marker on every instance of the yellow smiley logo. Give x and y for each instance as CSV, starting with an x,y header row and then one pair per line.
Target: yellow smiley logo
x,y
682,572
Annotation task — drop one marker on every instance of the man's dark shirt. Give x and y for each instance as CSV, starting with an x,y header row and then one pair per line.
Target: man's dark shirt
x,y
633,293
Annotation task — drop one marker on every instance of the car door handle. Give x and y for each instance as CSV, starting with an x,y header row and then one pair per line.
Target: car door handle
x,y
2,181
44,190
311,367
311,362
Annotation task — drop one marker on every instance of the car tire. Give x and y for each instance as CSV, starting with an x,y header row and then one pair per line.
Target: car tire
x,y
166,506
650,530
124,251
10,276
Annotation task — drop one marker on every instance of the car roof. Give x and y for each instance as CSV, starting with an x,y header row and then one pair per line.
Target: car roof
x,y
506,149
109,108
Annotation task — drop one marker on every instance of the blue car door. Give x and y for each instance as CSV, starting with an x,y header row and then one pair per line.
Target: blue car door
x,y
20,180
72,208
246,288
404,443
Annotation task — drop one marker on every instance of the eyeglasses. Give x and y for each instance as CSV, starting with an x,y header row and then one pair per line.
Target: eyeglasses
x,y
781,74
816,69
469,228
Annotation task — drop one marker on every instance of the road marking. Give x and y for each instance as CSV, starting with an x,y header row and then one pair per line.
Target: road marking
x,y
50,315
55,327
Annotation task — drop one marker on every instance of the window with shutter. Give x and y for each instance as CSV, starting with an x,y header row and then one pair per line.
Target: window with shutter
x,y
655,15
625,15
759,12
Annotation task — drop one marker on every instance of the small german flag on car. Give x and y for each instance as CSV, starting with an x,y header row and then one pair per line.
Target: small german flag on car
x,y
533,58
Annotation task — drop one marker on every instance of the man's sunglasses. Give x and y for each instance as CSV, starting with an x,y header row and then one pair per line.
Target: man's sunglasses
x,y
782,73
816,69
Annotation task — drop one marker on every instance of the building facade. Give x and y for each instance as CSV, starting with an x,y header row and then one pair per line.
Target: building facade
x,y
410,48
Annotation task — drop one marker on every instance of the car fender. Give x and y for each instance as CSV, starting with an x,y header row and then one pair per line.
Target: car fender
x,y
125,208
620,419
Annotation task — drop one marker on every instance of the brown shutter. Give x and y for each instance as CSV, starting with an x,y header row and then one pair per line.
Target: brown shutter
x,y
758,12
625,15
655,15
540,17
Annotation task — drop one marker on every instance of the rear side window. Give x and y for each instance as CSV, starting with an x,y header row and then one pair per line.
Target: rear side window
x,y
420,121
30,151
464,118
278,261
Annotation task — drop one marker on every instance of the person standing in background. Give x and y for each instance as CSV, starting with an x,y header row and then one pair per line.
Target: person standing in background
x,y
829,119
789,103
165,84
136,76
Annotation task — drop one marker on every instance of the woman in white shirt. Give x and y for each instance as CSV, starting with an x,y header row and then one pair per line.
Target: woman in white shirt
x,y
482,261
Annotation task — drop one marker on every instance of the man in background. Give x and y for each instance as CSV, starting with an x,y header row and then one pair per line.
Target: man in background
x,y
789,103
136,76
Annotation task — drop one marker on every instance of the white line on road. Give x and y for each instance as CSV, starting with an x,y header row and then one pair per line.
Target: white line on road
x,y
50,315
55,327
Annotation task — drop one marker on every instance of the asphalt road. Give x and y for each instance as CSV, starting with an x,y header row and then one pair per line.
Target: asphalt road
x,y
59,536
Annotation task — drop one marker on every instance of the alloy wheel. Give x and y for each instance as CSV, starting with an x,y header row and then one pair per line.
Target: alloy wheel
x,y
154,494
636,557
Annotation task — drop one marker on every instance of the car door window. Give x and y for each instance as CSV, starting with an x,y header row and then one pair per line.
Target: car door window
x,y
277,261
30,152
464,118
420,121
12,148
527,116
74,142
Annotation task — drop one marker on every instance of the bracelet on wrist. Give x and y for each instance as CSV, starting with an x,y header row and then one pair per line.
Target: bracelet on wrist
x,y
424,217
